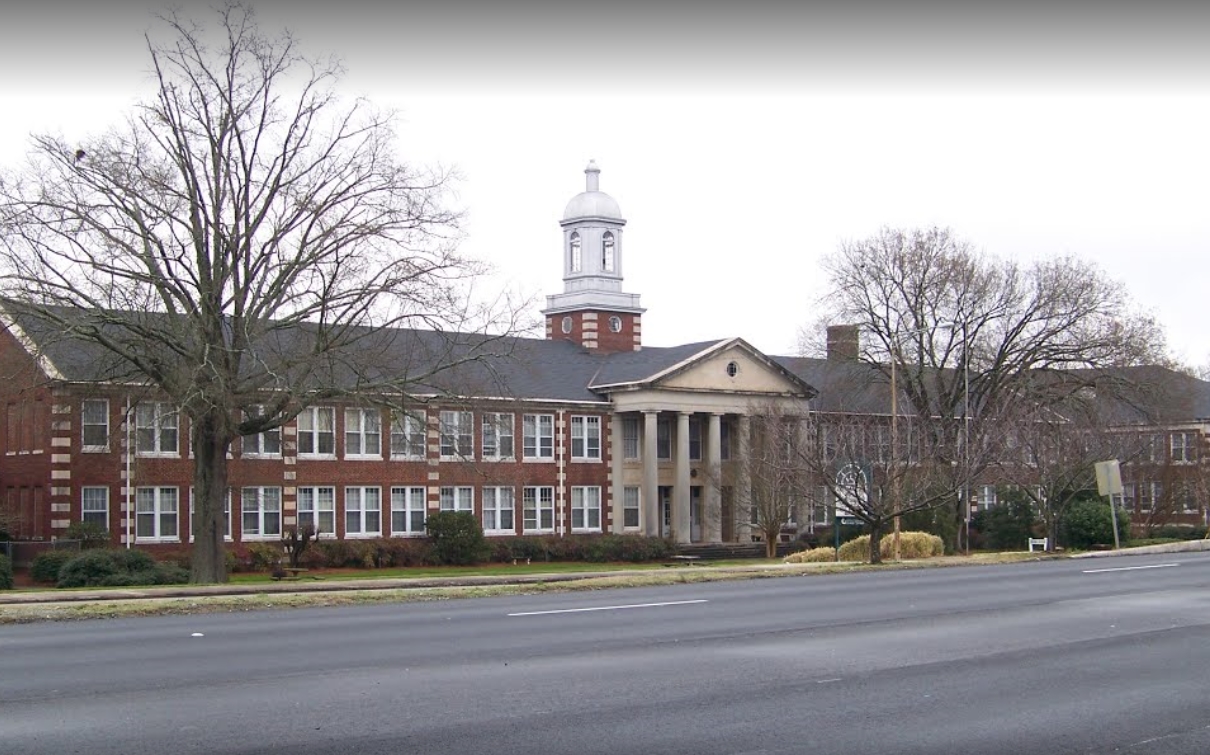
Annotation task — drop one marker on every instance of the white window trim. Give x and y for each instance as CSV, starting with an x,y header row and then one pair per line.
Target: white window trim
x,y
538,529
415,498
456,418
463,498
538,436
157,512
583,491
252,446
495,421
260,514
162,411
493,493
315,512
83,497
313,413
362,415
580,425
637,508
410,425
364,532
93,448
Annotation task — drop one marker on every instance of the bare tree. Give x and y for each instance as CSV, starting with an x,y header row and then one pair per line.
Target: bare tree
x,y
968,332
246,245
776,480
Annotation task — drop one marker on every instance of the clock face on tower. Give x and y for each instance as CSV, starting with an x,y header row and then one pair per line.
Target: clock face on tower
x,y
615,324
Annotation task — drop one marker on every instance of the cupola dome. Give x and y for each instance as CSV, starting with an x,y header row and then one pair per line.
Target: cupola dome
x,y
592,202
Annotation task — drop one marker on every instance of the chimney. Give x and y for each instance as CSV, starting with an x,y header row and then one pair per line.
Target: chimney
x,y
844,343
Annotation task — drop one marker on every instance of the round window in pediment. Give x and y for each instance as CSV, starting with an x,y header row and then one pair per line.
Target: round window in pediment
x,y
732,369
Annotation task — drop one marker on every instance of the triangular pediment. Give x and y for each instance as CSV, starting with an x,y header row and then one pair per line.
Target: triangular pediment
x,y
736,367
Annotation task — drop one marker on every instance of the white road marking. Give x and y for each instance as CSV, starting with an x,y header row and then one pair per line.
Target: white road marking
x,y
197,634
1129,568
610,608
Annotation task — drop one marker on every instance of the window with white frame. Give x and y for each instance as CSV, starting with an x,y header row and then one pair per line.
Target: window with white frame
x,y
576,252
695,439
499,510
663,439
538,513
407,436
538,436
585,508
607,252
317,508
94,506
630,507
497,436
987,497
94,425
457,433
1184,447
1149,494
156,429
363,433
260,513
585,437
630,438
156,511
267,443
407,510
363,511
457,498
317,432
226,516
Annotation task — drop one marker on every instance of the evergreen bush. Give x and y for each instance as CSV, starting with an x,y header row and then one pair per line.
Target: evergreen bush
x,y
46,565
1089,523
124,568
6,573
457,538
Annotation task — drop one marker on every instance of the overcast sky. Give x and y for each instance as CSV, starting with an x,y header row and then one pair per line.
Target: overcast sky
x,y
745,141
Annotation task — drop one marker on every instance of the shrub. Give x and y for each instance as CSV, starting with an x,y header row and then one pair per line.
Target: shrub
x,y
812,556
89,534
1006,526
912,545
47,564
106,567
857,549
457,538
402,552
1089,522
6,573
264,555
347,554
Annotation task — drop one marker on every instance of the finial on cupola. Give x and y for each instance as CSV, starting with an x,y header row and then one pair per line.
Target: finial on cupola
x,y
593,174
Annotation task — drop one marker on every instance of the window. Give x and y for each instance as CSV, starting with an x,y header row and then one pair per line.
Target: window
x,y
156,514
695,439
497,436
363,511
155,426
363,433
539,509
566,324
498,510
226,516
260,513
407,437
1149,493
538,436
407,511
585,437
94,507
576,252
663,439
267,443
317,432
585,509
607,252
615,324
457,499
987,497
630,507
1184,447
94,424
457,435
630,438
317,509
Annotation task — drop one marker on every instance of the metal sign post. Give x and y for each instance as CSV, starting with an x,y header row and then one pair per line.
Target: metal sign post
x,y
1109,482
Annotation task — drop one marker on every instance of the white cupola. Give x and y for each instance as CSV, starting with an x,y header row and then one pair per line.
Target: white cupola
x,y
593,303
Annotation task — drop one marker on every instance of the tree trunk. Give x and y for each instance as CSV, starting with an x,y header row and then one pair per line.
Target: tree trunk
x,y
770,547
210,444
875,545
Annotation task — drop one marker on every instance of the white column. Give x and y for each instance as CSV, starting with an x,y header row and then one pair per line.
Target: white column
x,y
712,514
614,491
680,493
743,480
651,477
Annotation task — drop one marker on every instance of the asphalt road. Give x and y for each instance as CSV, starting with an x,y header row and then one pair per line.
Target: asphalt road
x,y
1092,656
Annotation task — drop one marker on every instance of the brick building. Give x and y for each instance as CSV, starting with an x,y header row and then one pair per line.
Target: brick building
x,y
584,431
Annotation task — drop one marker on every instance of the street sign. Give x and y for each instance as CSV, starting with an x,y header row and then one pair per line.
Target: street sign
x,y
850,521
